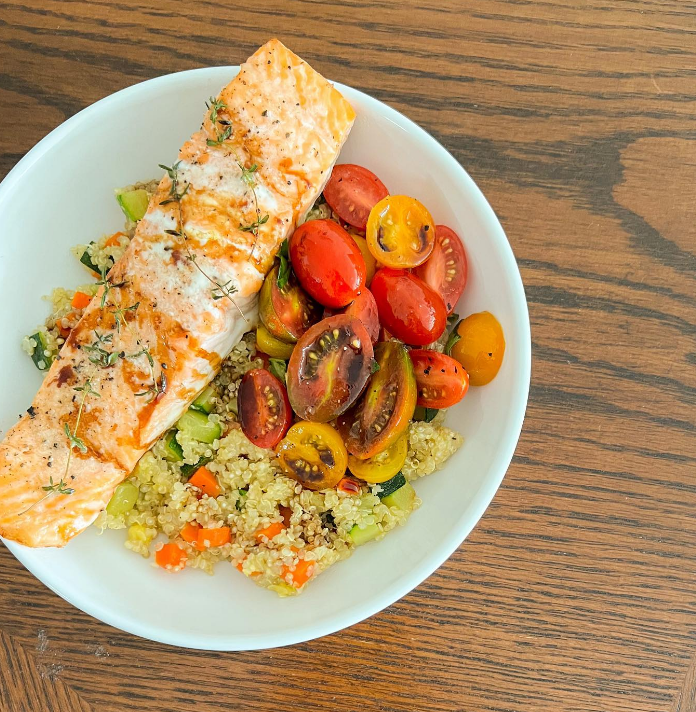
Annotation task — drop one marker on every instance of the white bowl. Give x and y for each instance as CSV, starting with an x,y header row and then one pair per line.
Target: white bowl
x,y
61,194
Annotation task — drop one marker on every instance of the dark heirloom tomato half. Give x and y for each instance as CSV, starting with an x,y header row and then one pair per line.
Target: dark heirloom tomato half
x,y
264,410
329,368
363,308
446,269
442,381
352,191
313,454
328,262
400,232
382,415
408,308
287,313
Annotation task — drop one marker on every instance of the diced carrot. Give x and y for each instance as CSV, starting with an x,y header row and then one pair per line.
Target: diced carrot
x,y
80,300
303,571
349,485
190,532
286,513
171,557
205,480
208,538
272,530
114,240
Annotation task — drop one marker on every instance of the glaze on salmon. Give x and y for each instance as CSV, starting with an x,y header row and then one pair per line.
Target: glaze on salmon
x,y
179,299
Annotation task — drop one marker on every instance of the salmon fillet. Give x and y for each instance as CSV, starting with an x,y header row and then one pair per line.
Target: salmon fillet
x,y
178,301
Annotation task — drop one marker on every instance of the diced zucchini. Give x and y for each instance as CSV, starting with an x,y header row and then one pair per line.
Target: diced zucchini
x,y
172,449
199,426
402,498
205,401
243,494
123,499
133,203
86,260
395,483
39,357
187,470
362,536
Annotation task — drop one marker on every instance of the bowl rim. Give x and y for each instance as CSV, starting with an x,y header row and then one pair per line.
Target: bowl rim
x,y
459,532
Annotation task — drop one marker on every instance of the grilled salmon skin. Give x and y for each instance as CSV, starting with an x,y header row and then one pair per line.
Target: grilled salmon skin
x,y
177,302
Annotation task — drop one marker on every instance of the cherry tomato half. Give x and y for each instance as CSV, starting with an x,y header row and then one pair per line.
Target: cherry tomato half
x,y
408,308
382,466
328,262
314,455
400,232
478,343
446,269
264,409
352,191
288,312
442,382
363,308
329,368
383,413
269,345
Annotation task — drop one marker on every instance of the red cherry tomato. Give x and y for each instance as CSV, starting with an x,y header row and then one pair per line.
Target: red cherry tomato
x,y
408,308
363,308
264,408
442,382
352,191
327,262
446,269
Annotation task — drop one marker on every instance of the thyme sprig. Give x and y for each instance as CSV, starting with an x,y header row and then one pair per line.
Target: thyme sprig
x,y
175,195
98,354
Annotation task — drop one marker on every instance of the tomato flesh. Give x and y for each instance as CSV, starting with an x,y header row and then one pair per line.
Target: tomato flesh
x,y
446,269
314,455
408,308
383,413
352,192
264,409
329,368
327,262
400,232
441,380
288,312
480,347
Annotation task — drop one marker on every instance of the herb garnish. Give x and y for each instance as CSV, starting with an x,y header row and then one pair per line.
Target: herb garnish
x,y
285,268
278,368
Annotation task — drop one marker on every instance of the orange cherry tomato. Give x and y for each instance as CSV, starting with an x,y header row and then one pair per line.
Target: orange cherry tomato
x,y
400,232
477,342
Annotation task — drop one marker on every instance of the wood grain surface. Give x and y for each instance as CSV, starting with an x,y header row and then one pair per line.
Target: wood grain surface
x,y
577,590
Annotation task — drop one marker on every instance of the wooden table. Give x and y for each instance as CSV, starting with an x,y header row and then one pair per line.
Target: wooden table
x,y
576,591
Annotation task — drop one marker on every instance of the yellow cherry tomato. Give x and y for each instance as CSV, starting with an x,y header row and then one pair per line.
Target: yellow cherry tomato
x,y
382,466
314,455
275,348
370,262
400,232
479,348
